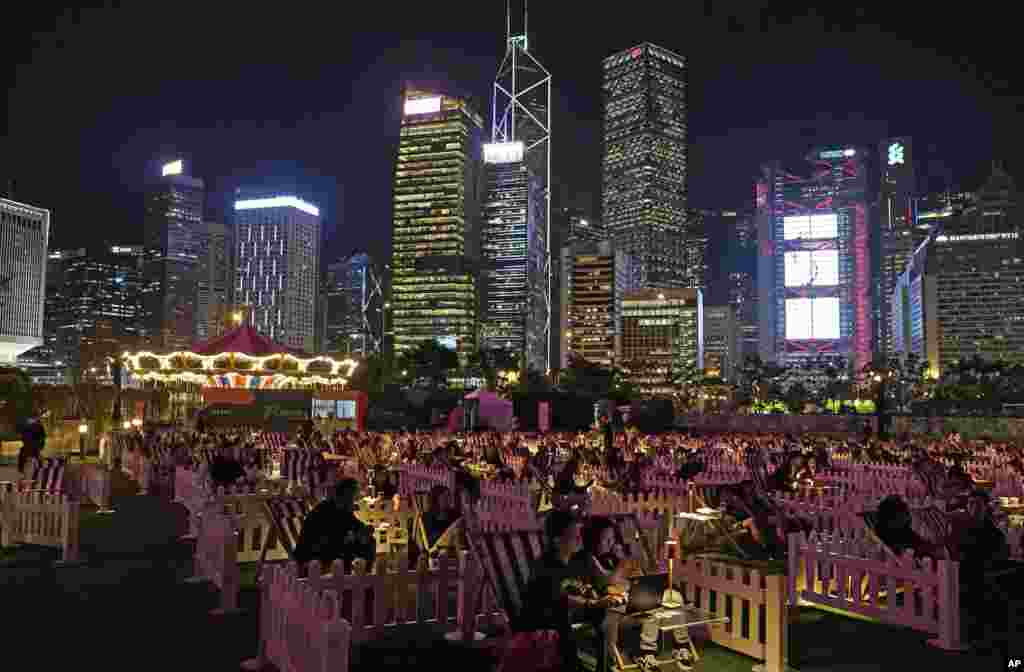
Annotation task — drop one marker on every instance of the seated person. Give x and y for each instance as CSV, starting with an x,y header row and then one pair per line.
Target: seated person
x,y
385,483
225,471
784,477
757,517
602,558
332,532
556,587
440,514
895,530
565,484
807,470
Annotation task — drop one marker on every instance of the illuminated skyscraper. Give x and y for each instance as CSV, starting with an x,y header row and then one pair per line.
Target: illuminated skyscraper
x,y
516,232
899,234
435,241
595,277
814,265
513,249
644,172
24,237
277,248
100,289
214,280
662,337
174,245
353,304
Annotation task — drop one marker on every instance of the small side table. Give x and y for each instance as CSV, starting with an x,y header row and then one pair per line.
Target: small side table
x,y
670,620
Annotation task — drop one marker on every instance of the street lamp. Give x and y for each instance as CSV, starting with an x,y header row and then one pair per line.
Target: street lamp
x,y
83,429
127,425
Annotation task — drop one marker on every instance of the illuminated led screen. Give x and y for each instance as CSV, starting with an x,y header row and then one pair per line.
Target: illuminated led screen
x,y
422,106
172,168
811,227
503,152
812,319
812,267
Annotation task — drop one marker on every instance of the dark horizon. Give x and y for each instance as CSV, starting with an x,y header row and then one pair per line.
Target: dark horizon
x,y
96,99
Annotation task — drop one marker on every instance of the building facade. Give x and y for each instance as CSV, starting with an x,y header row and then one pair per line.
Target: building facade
x,y
104,287
215,278
435,235
662,337
595,278
353,305
645,161
277,248
173,226
721,341
898,229
513,248
963,296
814,262
24,240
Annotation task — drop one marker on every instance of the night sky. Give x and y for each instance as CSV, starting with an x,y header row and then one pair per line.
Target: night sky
x,y
310,96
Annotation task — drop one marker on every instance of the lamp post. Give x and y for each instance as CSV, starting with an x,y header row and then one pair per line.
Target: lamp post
x,y
83,429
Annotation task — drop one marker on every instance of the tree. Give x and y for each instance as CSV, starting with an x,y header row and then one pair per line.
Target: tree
x,y
432,361
370,375
584,378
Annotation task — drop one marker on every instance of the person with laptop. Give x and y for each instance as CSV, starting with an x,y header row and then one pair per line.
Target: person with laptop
x,y
558,587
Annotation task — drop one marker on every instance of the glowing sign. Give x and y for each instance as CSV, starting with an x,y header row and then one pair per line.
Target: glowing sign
x,y
503,152
810,227
172,168
422,105
819,268
278,202
808,319
895,154
837,153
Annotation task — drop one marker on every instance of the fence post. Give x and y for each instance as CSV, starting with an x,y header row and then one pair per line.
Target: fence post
x,y
70,511
259,661
949,608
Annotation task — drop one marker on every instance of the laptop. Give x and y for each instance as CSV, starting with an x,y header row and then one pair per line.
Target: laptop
x,y
645,592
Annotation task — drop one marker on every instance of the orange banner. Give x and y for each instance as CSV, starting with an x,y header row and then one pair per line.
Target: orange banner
x,y
225,395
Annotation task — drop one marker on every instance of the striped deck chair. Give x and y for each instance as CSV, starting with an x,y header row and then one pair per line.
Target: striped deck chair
x,y
758,466
507,559
48,475
286,516
640,546
931,474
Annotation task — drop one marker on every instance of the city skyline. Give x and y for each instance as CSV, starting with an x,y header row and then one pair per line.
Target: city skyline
x,y
131,127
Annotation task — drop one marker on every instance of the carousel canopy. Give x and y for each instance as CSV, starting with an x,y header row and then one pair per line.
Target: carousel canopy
x,y
246,340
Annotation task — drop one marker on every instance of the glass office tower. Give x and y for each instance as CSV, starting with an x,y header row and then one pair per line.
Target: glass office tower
x,y
435,239
644,170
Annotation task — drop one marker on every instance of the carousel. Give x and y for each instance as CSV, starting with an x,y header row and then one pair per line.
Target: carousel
x,y
240,359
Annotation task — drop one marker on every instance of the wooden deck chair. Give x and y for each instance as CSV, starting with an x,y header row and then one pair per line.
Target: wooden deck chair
x,y
286,516
640,545
506,559
450,538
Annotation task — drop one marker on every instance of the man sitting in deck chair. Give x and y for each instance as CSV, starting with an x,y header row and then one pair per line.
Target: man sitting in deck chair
x,y
332,532
892,525
441,513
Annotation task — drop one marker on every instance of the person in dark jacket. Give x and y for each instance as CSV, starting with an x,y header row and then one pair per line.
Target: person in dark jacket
x,y
559,586
33,440
332,532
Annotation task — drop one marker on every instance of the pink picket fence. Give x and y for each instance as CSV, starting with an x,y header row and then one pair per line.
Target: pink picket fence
x,y
94,484
418,478
41,519
311,622
854,577
301,628
216,560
